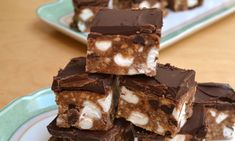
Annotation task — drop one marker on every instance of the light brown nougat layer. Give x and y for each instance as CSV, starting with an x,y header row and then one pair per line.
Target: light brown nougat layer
x,y
221,123
123,55
157,114
85,110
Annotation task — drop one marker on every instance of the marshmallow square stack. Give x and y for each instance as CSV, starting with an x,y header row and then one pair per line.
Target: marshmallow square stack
x,y
120,92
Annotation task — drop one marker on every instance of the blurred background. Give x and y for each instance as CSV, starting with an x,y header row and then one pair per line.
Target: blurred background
x,y
31,52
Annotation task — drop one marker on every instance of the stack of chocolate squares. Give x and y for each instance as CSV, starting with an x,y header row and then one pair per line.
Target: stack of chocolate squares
x,y
86,10
120,93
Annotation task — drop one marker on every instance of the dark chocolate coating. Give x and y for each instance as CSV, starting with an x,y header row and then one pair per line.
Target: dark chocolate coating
x,y
196,125
216,95
127,22
209,93
121,129
143,135
170,82
73,77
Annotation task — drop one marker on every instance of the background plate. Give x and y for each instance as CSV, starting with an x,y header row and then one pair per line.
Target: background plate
x,y
176,25
28,114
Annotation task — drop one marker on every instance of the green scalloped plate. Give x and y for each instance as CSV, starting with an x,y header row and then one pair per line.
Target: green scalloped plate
x,y
176,25
25,118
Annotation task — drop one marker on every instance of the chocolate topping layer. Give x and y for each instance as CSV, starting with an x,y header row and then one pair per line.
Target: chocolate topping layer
x,y
73,77
196,125
170,82
144,134
127,22
84,135
209,93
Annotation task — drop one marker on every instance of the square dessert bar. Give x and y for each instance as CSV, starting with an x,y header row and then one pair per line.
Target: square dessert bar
x,y
219,100
181,5
194,129
124,42
84,13
161,104
121,131
85,101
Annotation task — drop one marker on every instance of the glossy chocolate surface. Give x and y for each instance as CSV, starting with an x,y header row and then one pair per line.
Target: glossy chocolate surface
x,y
127,22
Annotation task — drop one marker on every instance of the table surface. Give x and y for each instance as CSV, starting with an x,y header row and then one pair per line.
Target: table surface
x,y
31,52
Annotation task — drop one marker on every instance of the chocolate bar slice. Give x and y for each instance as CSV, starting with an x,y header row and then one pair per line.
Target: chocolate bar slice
x,y
124,44
194,129
121,131
181,5
84,13
161,104
219,100
85,101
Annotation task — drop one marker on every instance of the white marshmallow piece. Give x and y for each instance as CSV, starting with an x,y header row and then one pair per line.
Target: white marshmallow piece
x,y
86,123
192,3
81,26
221,117
90,110
156,5
144,4
88,114
132,71
160,129
180,115
183,116
141,49
229,133
213,113
86,14
128,96
122,61
106,102
178,138
103,45
110,4
138,118
152,58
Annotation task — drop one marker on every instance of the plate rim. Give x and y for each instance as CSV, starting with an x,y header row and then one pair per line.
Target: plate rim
x,y
77,35
25,116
